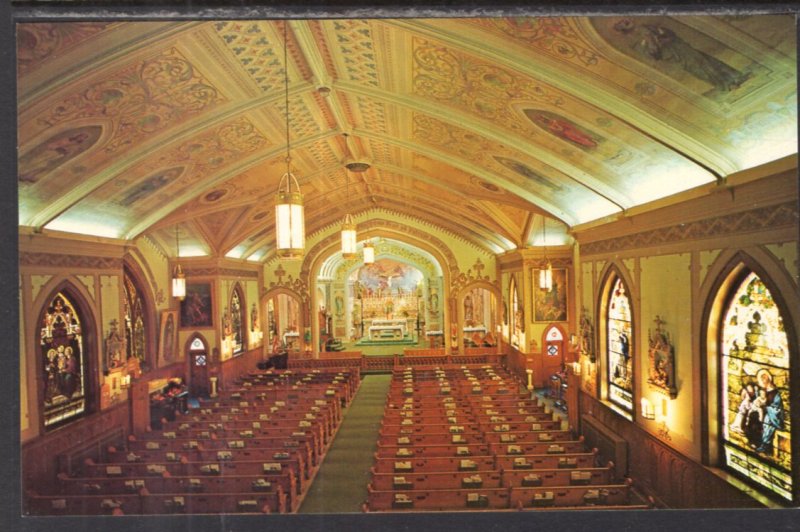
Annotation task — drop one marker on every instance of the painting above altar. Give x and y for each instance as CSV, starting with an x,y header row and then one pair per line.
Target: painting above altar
x,y
388,277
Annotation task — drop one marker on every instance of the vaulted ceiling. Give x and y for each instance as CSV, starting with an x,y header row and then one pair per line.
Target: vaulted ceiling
x,y
482,127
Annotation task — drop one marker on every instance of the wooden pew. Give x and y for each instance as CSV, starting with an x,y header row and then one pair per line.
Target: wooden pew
x,y
430,451
438,500
153,504
571,496
546,461
436,481
425,465
557,477
430,439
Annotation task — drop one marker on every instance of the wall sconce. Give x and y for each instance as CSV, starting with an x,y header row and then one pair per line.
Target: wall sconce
x,y
125,382
573,340
648,411
576,368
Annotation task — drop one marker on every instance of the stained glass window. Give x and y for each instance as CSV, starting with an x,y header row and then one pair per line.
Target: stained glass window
x,y
620,347
755,403
237,318
135,329
515,313
64,362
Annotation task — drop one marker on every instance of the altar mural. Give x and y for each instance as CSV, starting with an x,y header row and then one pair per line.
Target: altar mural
x,y
388,302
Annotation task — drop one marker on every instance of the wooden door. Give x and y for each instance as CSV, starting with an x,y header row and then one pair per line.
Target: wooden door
x,y
198,385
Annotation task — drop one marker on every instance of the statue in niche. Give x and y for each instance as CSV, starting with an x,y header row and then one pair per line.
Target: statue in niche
x,y
115,346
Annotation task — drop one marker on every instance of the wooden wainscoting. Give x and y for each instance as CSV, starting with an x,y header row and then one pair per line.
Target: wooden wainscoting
x,y
673,479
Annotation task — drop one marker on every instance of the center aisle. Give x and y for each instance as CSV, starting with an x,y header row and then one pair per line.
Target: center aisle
x,y
341,483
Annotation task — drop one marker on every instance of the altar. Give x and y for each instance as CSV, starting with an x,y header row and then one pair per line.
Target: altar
x,y
387,329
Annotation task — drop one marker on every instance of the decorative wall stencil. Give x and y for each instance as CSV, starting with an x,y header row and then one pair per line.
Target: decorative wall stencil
x,y
355,42
475,86
554,35
565,129
251,45
373,113
550,305
782,215
36,42
149,186
56,151
661,361
527,172
141,99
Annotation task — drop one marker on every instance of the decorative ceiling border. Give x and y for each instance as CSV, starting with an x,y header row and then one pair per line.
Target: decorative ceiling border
x,y
229,272
56,260
759,219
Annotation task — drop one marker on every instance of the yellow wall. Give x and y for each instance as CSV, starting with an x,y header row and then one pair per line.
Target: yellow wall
x,y
673,256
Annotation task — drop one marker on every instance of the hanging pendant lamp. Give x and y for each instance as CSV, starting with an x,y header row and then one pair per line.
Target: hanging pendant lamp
x,y
369,253
178,279
348,226
290,231
546,270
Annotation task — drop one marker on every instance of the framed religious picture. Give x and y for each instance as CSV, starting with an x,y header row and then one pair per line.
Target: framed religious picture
x,y
196,307
550,305
168,338
661,361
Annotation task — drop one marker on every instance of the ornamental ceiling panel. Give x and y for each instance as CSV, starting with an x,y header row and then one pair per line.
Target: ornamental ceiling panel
x,y
471,125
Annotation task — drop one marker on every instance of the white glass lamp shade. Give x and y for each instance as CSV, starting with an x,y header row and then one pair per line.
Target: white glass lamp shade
x,y
178,283
546,277
348,238
290,231
369,253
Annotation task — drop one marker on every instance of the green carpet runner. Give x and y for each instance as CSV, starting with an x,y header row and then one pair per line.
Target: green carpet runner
x,y
341,483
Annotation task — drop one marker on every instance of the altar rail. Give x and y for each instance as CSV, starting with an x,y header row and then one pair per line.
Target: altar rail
x,y
386,363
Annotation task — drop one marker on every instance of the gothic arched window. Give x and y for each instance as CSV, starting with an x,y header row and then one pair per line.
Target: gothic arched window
x,y
619,346
64,362
237,319
754,382
135,319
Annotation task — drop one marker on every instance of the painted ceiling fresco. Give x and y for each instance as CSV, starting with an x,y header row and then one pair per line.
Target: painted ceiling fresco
x,y
477,126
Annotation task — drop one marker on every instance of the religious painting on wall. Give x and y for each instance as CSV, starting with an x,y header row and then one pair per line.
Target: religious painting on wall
x,y
167,354
755,398
196,309
661,355
550,305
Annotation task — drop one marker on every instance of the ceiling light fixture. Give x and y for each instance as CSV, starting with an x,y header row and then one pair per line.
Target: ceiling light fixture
x,y
369,253
546,271
290,233
178,279
348,226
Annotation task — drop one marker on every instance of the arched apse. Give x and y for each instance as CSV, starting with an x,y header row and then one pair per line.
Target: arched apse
x,y
316,258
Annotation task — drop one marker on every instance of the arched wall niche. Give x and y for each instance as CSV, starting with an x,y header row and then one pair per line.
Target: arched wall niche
x,y
492,334
377,228
303,314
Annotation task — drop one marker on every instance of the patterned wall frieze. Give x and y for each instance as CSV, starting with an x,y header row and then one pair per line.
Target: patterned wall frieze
x,y
758,219
39,42
56,260
563,262
222,272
